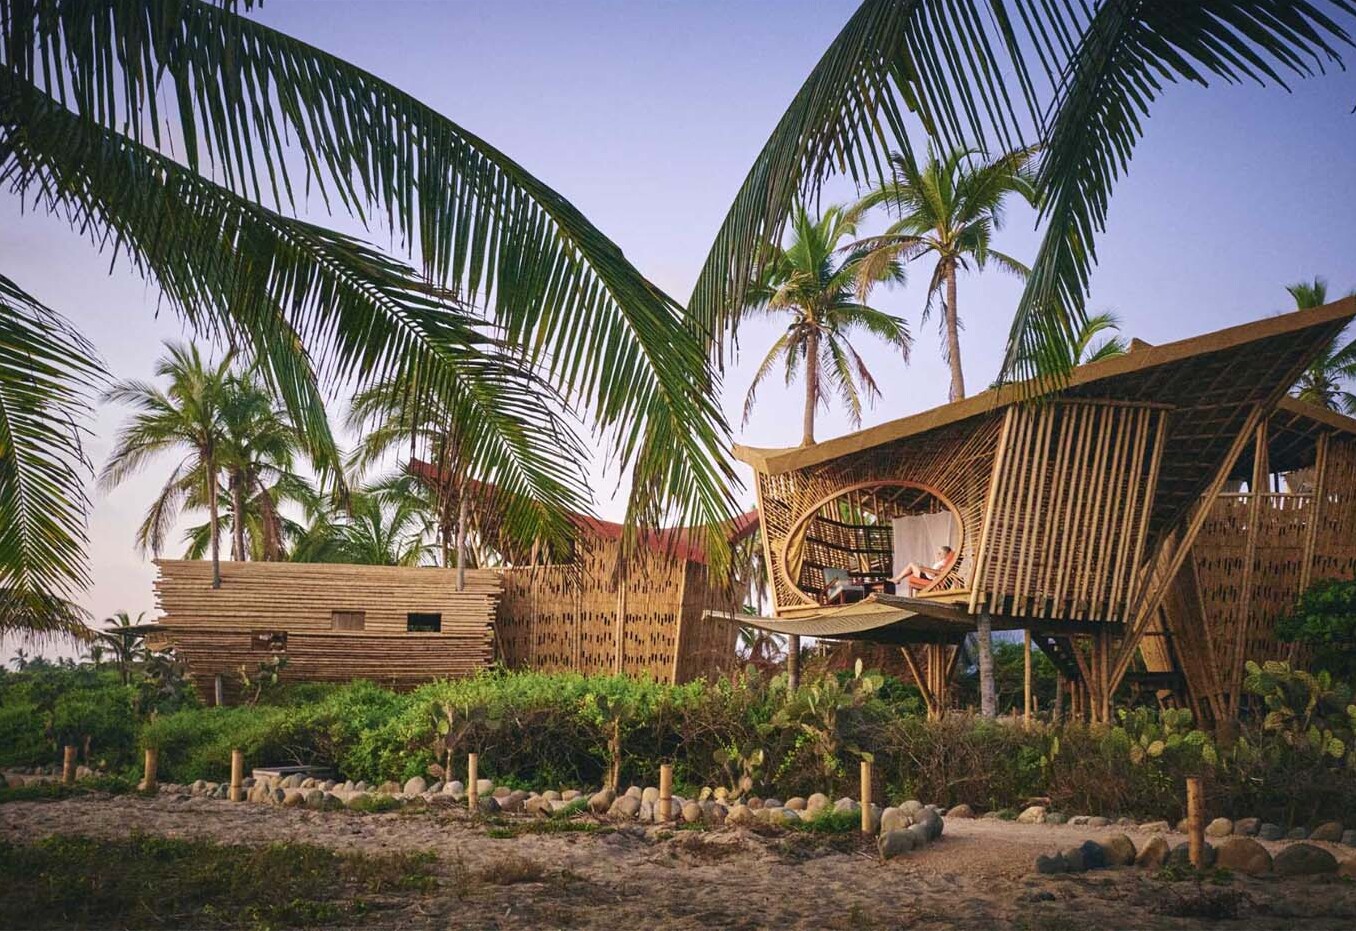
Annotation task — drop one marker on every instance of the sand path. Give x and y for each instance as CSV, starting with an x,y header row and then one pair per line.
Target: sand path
x,y
977,876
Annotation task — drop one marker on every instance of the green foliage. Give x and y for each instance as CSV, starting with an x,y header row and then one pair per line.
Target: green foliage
x,y
1324,621
1310,712
23,740
829,821
150,882
824,717
374,804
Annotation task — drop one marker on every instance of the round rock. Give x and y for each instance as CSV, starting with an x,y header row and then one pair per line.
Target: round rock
x,y
1330,831
1153,854
1243,855
1304,860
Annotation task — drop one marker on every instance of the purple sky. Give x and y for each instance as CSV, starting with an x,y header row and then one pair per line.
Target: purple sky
x,y
647,116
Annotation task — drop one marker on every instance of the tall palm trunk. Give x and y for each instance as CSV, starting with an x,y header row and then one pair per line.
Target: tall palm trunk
x,y
811,384
272,525
988,700
213,522
237,517
953,352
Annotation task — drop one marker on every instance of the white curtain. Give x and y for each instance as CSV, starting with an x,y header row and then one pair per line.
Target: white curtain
x,y
917,537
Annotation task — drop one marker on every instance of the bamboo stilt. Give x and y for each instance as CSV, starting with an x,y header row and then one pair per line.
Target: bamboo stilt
x,y
666,792
1026,677
237,776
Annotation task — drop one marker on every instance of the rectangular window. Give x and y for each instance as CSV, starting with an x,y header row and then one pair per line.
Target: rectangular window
x,y
348,620
269,641
423,623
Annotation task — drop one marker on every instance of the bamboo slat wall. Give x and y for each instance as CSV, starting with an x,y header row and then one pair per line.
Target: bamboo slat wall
x,y
952,465
317,606
578,618
1066,528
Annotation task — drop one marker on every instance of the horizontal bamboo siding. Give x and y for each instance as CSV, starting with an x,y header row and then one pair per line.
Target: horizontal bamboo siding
x,y
212,628
1066,529
579,618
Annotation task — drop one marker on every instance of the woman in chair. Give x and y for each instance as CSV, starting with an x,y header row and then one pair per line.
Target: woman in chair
x,y
917,577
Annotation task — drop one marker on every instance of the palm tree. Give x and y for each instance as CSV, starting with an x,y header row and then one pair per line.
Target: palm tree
x,y
1325,381
258,454
381,528
187,418
947,210
1077,79
824,291
180,134
124,640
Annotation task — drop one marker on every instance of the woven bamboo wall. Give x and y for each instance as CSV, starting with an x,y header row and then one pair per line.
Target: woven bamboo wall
x,y
1065,533
212,628
569,617
954,463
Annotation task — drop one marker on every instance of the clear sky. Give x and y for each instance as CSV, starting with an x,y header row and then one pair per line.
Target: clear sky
x,y
648,114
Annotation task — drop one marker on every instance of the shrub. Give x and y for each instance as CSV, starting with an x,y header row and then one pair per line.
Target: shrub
x,y
23,739
1324,620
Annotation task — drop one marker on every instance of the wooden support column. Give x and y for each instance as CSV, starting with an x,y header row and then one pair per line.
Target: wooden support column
x,y
237,776
923,678
866,797
988,701
1258,489
665,791
1195,822
219,690
472,777
148,781
1026,677
792,662
68,764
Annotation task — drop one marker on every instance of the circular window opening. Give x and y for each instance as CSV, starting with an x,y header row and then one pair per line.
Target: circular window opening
x,y
859,540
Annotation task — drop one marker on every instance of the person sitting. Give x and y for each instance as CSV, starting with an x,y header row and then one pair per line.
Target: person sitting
x,y
918,577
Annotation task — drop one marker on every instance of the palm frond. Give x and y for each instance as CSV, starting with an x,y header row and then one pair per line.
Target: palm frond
x,y
47,375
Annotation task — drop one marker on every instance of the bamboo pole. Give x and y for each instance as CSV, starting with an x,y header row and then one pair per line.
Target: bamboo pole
x,y
1195,822
665,791
237,776
1026,676
68,764
472,777
792,663
148,782
866,796
219,690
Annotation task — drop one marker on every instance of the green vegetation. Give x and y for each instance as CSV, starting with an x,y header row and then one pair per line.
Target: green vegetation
x,y
545,731
1324,622
149,882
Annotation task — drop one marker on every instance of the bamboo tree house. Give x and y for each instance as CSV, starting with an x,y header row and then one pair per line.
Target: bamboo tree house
x,y
1071,517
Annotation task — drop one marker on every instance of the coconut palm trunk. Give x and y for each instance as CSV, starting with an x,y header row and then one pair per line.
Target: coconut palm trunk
x,y
461,540
214,522
811,384
988,699
953,352
237,517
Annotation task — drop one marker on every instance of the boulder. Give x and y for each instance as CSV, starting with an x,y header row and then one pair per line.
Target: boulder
x,y
1220,827
1094,855
816,803
846,804
929,820
1055,817
625,808
1243,855
895,843
1097,821
773,803
1073,859
1348,838
1181,855
601,801
635,792
513,802
1347,869
1076,820
1247,827
1033,815
921,835
569,795
912,805
873,818
796,803
538,805
1153,854
487,805
649,794
293,798
315,798
484,787
1051,863
1330,831
415,785
551,795
1118,850
740,814
960,811
894,819
362,786
1270,831
692,812
1156,827
755,803
1297,834
501,792
278,796
388,788
1304,860
714,812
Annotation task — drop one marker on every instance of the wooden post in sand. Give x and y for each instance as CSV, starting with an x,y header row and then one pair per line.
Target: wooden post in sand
x,y
237,776
472,777
68,765
665,791
1195,823
148,783
866,796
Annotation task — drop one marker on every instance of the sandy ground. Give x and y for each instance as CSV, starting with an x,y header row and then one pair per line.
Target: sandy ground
x,y
977,876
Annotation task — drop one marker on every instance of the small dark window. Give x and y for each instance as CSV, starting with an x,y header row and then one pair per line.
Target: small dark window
x,y
423,623
348,620
269,641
